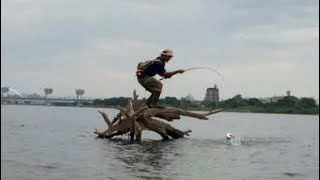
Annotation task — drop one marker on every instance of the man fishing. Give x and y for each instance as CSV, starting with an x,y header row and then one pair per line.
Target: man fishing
x,y
146,72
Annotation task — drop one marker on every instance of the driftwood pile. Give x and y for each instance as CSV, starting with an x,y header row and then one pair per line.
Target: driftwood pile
x,y
136,118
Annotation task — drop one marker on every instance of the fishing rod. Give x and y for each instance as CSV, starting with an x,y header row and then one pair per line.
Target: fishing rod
x,y
196,68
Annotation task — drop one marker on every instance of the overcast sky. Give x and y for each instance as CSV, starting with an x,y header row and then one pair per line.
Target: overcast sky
x,y
262,48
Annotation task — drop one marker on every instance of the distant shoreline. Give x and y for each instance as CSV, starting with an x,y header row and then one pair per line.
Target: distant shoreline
x,y
313,111
262,112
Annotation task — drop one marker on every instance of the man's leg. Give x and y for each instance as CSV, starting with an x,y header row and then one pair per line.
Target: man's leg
x,y
155,87
149,100
155,96
146,83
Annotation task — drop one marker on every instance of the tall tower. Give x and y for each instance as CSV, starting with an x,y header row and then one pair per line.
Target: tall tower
x,y
47,91
212,94
288,93
79,93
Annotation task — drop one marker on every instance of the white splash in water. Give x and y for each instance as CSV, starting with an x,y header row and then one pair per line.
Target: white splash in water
x,y
235,141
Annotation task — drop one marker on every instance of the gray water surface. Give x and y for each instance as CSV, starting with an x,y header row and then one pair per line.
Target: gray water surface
x,y
39,142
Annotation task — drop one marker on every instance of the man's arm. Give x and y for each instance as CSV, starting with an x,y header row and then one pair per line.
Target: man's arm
x,y
172,73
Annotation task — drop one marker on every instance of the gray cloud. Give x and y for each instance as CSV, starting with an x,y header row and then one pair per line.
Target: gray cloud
x,y
261,47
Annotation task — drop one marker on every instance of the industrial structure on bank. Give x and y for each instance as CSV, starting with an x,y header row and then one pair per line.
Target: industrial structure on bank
x,y
10,95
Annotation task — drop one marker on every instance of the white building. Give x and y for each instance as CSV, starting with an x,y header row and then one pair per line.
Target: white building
x,y
189,97
274,99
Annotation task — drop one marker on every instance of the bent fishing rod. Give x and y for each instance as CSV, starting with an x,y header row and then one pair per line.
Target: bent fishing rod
x,y
195,68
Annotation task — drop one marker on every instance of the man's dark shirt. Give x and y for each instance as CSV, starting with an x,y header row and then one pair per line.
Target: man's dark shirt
x,y
157,67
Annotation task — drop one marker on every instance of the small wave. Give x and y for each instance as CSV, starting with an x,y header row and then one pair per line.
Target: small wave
x,y
262,140
290,174
48,167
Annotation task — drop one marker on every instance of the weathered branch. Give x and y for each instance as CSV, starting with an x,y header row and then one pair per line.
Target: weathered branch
x,y
162,111
163,129
168,117
136,105
106,119
213,112
122,110
135,119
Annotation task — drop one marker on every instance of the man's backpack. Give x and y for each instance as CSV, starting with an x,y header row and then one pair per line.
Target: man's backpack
x,y
143,65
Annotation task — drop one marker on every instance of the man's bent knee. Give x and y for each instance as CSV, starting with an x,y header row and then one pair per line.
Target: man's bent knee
x,y
158,88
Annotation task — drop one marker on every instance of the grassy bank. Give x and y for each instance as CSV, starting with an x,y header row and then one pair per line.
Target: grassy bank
x,y
272,109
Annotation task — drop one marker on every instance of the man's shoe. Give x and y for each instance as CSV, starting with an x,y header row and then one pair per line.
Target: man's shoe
x,y
153,103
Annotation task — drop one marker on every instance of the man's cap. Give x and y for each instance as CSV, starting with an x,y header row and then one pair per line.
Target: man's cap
x,y
167,52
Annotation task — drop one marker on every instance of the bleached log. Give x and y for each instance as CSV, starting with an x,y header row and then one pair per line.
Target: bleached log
x,y
135,118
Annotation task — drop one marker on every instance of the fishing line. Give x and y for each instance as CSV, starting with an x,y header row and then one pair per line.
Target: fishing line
x,y
209,68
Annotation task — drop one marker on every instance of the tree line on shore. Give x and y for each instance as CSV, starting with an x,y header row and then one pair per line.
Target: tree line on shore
x,y
288,104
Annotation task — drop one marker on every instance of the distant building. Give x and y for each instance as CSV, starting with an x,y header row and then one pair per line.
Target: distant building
x,y
189,97
212,94
274,99
288,93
